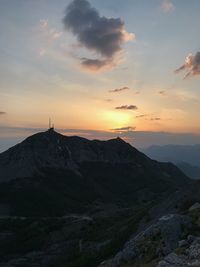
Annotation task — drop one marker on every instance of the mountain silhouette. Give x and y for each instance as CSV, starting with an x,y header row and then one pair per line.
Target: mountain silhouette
x,y
68,173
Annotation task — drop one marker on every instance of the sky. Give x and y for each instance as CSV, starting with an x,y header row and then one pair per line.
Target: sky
x,y
100,69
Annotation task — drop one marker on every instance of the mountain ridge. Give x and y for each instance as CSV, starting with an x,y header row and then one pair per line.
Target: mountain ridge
x,y
53,149
185,157
74,171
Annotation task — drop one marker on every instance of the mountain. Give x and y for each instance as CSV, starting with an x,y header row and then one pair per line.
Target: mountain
x,y
70,202
64,174
186,157
51,149
191,171
175,153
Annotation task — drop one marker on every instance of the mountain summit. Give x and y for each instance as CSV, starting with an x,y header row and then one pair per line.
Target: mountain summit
x,y
52,150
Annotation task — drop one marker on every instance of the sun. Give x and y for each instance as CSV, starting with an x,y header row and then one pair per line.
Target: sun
x,y
117,119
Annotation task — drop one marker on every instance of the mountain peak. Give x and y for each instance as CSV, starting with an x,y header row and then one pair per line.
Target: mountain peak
x,y
49,135
51,130
120,139
51,149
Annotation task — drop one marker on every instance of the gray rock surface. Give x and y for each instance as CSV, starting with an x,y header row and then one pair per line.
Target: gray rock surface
x,y
195,206
163,235
191,257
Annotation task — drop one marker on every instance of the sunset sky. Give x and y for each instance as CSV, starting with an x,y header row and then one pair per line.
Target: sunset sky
x,y
101,69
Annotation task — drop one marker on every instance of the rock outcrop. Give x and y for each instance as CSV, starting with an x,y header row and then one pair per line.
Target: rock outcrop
x,y
162,237
190,256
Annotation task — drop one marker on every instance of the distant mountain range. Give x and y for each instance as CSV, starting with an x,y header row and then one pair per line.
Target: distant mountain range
x,y
186,157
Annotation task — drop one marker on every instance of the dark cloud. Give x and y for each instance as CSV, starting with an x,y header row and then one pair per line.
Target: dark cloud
x,y
124,129
96,64
2,112
127,107
191,65
100,34
118,90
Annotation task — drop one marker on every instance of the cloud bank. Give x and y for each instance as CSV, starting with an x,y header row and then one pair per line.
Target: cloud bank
x,y
102,35
2,113
191,65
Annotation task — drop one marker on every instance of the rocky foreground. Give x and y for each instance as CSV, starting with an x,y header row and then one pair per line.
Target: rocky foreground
x,y
172,241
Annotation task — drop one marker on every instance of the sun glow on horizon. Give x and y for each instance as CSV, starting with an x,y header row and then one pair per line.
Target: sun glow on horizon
x,y
117,119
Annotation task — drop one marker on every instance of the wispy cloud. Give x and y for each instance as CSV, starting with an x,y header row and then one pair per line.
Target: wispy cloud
x,y
127,107
3,113
105,36
124,129
47,38
180,95
167,6
155,119
42,52
162,92
49,31
191,65
148,117
118,90
141,116
108,100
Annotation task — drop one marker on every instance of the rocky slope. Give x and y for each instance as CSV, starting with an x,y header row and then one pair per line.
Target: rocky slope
x,y
172,241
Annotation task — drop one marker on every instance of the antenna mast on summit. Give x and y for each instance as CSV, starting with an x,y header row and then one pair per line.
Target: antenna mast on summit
x,y
51,126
